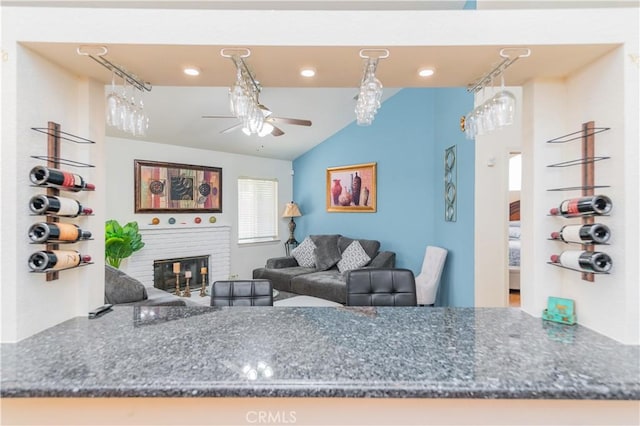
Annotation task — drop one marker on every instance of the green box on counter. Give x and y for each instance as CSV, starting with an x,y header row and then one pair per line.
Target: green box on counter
x,y
560,310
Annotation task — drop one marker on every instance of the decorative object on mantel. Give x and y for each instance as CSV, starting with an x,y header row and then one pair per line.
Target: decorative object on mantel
x,y
176,270
498,111
450,184
197,219
212,219
121,241
124,111
255,118
172,220
352,188
370,93
155,221
172,187
291,211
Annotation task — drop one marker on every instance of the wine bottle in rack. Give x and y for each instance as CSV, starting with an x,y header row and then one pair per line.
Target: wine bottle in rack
x,y
61,206
588,261
583,206
53,260
595,233
41,175
42,232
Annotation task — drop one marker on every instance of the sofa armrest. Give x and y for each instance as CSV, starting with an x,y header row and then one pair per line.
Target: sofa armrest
x,y
384,259
281,262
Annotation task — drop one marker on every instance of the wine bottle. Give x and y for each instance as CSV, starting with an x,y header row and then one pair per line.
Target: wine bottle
x,y
584,206
596,233
51,204
41,175
42,232
588,261
56,259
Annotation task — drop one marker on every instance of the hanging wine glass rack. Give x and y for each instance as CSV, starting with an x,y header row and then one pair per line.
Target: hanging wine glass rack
x,y
98,55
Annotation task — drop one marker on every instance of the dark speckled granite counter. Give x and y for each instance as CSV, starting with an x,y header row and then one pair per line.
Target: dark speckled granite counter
x,y
320,352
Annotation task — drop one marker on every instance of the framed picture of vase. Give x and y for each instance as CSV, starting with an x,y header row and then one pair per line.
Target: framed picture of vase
x,y
352,188
177,188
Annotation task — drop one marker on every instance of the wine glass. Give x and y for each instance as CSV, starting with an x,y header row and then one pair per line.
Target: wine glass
x,y
113,104
504,105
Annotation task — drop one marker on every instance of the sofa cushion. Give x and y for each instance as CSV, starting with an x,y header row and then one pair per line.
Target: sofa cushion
x,y
281,278
327,252
304,253
371,247
330,285
121,288
353,257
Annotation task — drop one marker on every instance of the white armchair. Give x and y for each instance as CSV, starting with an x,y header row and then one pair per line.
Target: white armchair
x,y
428,281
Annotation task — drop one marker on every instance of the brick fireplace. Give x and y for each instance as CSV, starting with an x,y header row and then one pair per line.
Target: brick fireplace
x,y
212,242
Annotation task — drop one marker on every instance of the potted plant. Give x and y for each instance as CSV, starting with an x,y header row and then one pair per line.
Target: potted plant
x,y
121,241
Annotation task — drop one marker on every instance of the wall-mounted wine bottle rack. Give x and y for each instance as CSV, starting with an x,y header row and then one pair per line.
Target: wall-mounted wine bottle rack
x,y
54,160
586,161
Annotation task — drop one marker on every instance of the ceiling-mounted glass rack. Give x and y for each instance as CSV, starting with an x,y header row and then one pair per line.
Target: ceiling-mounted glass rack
x,y
97,53
509,56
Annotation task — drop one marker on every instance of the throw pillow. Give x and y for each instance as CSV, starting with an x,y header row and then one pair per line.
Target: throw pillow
x,y
304,253
353,257
327,253
371,247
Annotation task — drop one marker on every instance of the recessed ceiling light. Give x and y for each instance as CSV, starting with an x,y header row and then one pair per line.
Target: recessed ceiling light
x,y
426,72
308,72
193,71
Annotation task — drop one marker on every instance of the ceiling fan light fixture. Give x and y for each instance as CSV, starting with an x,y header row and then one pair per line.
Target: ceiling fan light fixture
x,y
191,71
308,72
426,72
266,129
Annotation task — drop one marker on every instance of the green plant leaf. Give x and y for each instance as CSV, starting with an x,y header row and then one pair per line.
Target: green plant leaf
x,y
121,241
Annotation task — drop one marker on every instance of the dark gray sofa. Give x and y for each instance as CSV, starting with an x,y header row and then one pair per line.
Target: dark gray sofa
x,y
122,289
321,281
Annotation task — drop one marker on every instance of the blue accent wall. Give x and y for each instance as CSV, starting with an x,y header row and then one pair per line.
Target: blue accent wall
x,y
407,141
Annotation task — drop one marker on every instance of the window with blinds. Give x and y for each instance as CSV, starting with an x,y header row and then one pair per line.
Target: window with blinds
x,y
257,210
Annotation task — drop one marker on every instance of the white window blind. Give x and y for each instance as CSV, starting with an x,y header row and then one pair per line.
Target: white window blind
x,y
257,210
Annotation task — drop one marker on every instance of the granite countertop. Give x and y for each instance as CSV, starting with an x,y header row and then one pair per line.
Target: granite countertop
x,y
320,352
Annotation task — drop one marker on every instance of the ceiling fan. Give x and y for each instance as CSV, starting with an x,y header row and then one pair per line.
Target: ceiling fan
x,y
255,118
268,127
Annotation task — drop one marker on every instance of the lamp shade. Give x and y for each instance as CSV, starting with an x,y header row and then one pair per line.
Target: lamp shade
x,y
291,210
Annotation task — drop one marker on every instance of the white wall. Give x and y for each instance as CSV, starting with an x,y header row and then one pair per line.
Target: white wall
x,y
120,154
492,206
45,92
557,108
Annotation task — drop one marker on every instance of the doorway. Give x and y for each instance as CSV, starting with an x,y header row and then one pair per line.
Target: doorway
x,y
514,244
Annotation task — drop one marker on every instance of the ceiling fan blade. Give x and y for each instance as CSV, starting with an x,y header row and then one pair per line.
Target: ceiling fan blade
x,y
231,129
276,131
218,116
296,121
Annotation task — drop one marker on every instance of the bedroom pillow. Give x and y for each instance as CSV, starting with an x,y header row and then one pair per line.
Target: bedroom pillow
x,y
514,232
327,253
304,253
353,257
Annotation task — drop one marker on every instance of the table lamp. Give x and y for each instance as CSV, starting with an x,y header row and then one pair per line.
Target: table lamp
x,y
292,210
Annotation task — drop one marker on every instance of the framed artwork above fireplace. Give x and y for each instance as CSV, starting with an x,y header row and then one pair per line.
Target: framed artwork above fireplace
x,y
177,188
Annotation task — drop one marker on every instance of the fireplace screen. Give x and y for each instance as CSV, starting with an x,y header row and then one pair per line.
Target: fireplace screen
x,y
166,270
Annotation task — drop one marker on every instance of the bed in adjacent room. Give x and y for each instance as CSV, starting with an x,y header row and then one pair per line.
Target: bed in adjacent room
x,y
514,245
